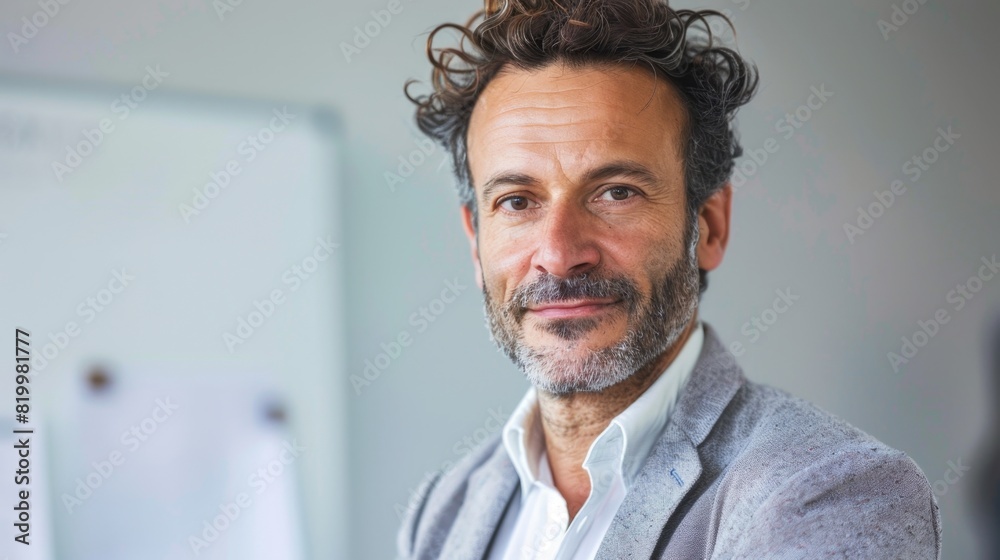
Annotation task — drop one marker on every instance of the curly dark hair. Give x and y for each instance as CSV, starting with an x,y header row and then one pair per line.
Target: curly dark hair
x,y
713,80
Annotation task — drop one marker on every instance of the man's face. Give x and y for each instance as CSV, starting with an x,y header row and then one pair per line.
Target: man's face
x,y
584,250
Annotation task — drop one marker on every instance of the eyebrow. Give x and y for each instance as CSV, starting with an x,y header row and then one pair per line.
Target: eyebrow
x,y
621,168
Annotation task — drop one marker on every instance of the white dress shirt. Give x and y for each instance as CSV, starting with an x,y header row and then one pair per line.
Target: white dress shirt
x,y
535,526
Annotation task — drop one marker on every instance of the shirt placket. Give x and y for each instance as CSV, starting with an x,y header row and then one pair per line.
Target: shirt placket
x,y
548,525
604,467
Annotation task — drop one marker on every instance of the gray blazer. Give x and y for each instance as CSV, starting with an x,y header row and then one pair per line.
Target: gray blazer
x,y
741,470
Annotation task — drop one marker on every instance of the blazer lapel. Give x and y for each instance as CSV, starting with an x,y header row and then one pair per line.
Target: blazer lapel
x,y
670,472
673,466
490,489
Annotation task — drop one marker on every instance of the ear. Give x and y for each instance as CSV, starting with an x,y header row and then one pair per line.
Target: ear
x,y
473,243
713,224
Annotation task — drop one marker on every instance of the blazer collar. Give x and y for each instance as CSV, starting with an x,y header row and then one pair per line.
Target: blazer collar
x,y
490,489
715,379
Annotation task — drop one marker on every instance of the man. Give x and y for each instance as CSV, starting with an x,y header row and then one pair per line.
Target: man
x,y
593,143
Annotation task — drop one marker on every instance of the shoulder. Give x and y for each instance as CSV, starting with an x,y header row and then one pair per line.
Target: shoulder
x,y
795,473
783,434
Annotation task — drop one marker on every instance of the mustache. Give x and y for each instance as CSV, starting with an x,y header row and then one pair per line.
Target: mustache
x,y
548,288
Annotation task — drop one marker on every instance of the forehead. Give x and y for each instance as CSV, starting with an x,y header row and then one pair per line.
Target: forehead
x,y
573,117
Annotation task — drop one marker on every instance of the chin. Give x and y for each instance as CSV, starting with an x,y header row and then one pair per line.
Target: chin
x,y
563,372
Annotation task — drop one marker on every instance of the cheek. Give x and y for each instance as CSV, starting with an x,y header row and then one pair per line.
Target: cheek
x,y
645,262
506,263
639,253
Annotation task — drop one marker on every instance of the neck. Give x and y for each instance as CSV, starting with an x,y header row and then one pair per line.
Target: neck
x,y
571,423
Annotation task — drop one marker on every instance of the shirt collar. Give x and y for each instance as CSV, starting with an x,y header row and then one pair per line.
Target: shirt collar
x,y
522,437
630,436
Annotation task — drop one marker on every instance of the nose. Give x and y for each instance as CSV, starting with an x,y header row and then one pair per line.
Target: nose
x,y
565,245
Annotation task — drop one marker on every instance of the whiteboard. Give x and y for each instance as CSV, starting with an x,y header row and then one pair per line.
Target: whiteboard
x,y
170,240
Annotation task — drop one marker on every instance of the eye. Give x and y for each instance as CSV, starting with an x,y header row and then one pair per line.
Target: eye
x,y
515,203
620,193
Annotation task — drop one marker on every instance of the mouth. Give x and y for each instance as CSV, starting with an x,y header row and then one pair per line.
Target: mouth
x,y
572,309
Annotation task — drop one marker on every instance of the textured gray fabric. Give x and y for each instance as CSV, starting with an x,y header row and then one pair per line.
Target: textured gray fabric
x,y
741,470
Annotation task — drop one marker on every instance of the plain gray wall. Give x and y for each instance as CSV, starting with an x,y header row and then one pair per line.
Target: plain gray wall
x,y
857,299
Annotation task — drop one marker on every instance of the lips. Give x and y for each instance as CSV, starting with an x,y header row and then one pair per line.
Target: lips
x,y
577,308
